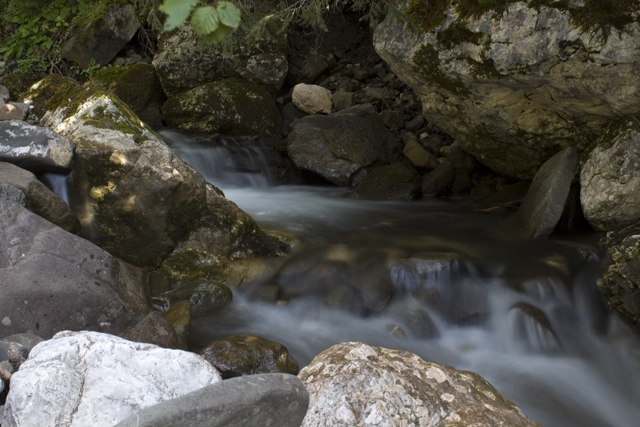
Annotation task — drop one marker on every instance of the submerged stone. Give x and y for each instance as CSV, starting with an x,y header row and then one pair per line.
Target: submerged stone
x,y
392,182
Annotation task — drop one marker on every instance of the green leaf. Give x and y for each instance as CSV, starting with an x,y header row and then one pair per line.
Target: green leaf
x,y
217,35
205,20
64,12
177,12
229,14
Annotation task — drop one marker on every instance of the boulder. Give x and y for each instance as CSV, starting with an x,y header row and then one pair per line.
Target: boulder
x,y
231,106
35,148
516,82
419,157
343,100
138,87
5,96
257,400
436,181
154,329
541,209
182,63
204,297
610,179
18,83
338,146
392,182
38,198
312,99
357,384
135,197
101,38
11,112
51,280
179,315
620,284
239,355
13,194
95,379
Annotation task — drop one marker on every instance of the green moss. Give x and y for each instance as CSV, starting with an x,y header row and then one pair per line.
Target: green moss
x,y
183,218
610,134
428,63
427,14
456,34
484,69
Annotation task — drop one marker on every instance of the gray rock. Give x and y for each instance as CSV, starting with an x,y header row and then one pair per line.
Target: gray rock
x,y
419,157
610,180
343,100
519,81
28,341
103,37
92,379
250,401
133,59
35,148
339,145
13,194
393,119
540,211
4,94
38,198
360,73
392,182
52,280
12,112
415,123
356,384
312,99
436,181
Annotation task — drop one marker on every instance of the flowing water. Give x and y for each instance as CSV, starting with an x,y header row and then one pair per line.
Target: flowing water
x,y
433,277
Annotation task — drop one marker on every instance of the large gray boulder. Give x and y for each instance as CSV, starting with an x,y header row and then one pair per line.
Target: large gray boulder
x,y
80,379
102,37
251,401
357,384
610,179
35,148
135,197
38,198
182,63
518,81
542,208
51,280
338,146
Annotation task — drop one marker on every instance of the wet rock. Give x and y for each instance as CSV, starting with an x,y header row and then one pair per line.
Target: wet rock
x,y
101,39
204,297
180,317
256,400
11,112
230,106
345,298
419,157
610,180
461,183
239,355
509,195
337,146
431,268
540,211
436,181
532,327
52,280
620,285
343,100
65,380
35,148
38,198
312,99
138,87
357,384
153,329
457,156
525,91
392,182
26,340
415,320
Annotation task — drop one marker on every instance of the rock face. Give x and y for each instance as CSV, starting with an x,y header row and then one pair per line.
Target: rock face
x,y
38,198
541,209
230,106
339,145
312,99
35,148
356,384
517,81
103,37
239,355
135,197
256,400
51,280
94,379
182,65
392,182
610,180
619,285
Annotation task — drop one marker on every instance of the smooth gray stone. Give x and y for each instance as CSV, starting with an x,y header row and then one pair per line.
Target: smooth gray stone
x,y
437,180
277,400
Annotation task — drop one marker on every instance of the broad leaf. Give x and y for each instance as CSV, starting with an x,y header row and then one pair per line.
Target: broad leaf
x,y
177,12
205,20
229,14
217,35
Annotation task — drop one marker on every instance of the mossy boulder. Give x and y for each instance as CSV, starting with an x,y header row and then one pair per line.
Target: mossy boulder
x,y
179,315
231,106
239,355
134,196
518,81
18,83
204,297
137,86
183,63
392,182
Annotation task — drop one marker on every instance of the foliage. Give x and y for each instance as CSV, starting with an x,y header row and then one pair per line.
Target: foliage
x,y
213,23
92,69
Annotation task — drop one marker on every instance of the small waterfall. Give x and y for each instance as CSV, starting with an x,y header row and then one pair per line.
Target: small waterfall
x,y
56,183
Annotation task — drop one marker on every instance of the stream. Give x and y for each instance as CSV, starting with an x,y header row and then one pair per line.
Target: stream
x,y
526,315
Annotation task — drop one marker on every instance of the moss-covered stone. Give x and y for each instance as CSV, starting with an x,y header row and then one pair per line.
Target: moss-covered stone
x,y
18,83
392,182
204,297
180,317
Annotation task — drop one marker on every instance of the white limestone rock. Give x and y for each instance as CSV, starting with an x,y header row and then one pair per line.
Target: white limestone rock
x,y
93,379
312,99
356,384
